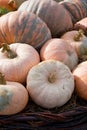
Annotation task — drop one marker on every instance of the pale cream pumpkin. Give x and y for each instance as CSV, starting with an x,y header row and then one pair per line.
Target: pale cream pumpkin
x,y
13,97
50,84
78,41
59,49
80,75
16,61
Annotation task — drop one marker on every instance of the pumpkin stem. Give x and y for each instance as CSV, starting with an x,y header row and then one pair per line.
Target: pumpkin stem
x,y
52,78
2,79
11,54
79,35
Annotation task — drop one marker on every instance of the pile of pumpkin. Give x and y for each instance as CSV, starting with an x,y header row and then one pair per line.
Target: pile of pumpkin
x,y
43,53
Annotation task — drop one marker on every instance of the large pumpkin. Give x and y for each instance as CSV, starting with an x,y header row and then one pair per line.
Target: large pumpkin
x,y
59,17
78,41
50,84
80,75
23,27
55,16
16,60
59,49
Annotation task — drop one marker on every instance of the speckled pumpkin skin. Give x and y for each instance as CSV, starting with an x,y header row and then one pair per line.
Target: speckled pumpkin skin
x,y
23,27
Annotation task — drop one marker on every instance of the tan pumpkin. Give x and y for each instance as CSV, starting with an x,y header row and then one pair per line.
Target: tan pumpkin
x,y
59,49
16,60
80,75
13,97
78,41
50,84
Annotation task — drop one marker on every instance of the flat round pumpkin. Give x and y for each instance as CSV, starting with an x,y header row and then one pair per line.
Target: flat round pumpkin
x,y
50,84
59,49
17,61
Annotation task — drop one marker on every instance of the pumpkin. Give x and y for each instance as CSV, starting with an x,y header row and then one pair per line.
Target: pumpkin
x,y
59,49
50,84
80,76
16,60
82,24
23,27
78,41
54,15
5,7
59,17
76,8
13,97
16,2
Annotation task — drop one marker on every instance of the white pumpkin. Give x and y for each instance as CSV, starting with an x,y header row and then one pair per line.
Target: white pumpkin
x,y
50,83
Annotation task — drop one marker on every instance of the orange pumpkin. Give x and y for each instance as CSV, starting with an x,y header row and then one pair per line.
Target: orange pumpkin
x,y
80,76
59,49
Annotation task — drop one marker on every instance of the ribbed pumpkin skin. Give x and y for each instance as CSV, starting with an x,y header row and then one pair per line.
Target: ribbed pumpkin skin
x,y
55,16
76,8
23,27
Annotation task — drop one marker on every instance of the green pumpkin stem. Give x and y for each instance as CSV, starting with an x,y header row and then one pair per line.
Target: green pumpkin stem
x,y
2,79
79,35
11,54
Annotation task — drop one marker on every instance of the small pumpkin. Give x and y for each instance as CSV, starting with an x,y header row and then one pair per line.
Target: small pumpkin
x,y
80,76
13,97
59,49
78,41
23,27
50,84
16,60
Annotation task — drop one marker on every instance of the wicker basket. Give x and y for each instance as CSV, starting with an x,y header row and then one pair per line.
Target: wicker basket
x,y
71,116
